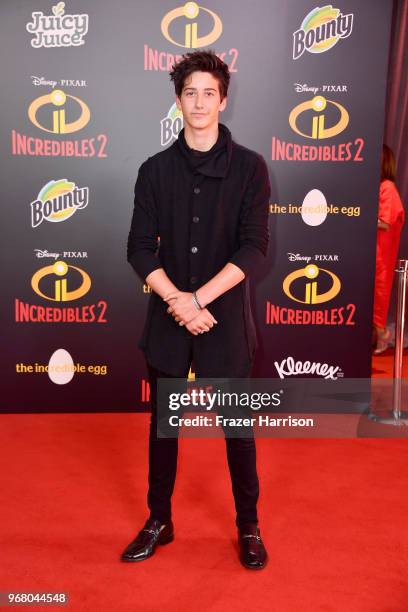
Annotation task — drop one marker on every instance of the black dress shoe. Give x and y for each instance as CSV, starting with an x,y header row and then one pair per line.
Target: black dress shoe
x,y
252,554
152,534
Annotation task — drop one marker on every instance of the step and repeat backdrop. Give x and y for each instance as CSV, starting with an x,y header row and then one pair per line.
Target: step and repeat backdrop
x,y
86,98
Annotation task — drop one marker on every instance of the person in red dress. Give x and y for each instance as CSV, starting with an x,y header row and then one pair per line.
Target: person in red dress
x,y
389,225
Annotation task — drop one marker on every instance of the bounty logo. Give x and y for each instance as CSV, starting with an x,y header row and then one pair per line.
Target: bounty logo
x,y
320,30
58,201
171,125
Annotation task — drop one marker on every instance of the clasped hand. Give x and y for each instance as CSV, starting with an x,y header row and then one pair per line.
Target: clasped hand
x,y
184,312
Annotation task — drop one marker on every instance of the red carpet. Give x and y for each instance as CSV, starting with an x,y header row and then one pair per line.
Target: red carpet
x,y
333,517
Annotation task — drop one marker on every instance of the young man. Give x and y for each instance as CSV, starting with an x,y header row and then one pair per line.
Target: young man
x,y
207,199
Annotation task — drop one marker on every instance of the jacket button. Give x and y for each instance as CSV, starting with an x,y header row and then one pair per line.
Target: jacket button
x,y
193,280
197,190
194,249
196,219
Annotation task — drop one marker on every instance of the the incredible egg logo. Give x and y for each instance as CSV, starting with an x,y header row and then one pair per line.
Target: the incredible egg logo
x,y
314,208
61,367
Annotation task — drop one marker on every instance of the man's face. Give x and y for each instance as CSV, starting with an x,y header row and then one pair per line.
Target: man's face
x,y
200,101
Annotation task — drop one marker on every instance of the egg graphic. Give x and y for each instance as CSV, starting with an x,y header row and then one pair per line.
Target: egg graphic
x,y
61,367
313,208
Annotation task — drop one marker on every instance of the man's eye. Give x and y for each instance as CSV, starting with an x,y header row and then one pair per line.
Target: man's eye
x,y
190,93
210,93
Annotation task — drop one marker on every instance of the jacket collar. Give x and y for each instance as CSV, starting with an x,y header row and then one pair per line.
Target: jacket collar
x,y
214,162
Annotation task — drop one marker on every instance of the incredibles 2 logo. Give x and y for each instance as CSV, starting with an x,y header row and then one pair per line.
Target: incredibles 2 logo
x,y
189,26
60,292
58,99
60,282
310,286
318,129
318,119
58,113
311,295
190,12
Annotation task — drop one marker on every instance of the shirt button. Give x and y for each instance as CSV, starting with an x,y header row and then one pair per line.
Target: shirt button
x,y
193,280
194,249
196,219
196,190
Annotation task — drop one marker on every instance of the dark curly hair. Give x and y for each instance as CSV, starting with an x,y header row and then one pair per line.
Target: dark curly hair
x,y
201,61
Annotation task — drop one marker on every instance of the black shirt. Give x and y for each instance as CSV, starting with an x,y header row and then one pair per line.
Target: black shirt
x,y
208,208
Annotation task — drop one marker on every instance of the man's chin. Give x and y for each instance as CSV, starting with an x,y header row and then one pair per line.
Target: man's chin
x,y
199,124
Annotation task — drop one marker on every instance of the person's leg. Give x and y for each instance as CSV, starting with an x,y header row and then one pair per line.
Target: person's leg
x,y
241,455
162,459
383,340
158,528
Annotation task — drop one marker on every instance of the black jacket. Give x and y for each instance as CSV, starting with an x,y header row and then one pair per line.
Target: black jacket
x,y
208,209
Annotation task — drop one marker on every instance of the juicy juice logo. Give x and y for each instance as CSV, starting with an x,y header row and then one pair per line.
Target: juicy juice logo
x,y
321,29
58,29
58,201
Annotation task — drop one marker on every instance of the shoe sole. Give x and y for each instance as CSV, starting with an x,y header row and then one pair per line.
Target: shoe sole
x,y
162,542
251,567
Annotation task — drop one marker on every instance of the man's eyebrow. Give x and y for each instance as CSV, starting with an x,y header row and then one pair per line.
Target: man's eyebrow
x,y
205,88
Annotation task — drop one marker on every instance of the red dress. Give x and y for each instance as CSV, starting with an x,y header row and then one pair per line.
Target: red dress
x,y
391,211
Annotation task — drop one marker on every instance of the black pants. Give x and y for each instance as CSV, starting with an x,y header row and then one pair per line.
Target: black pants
x,y
241,455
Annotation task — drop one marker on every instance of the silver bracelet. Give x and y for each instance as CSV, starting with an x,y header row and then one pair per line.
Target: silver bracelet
x,y
196,302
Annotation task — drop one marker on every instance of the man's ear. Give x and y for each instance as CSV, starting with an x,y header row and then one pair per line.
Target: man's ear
x,y
223,104
178,103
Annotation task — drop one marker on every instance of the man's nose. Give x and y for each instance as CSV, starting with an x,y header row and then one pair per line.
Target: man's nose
x,y
199,100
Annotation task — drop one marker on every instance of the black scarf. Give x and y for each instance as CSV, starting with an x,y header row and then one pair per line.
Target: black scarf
x,y
214,162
